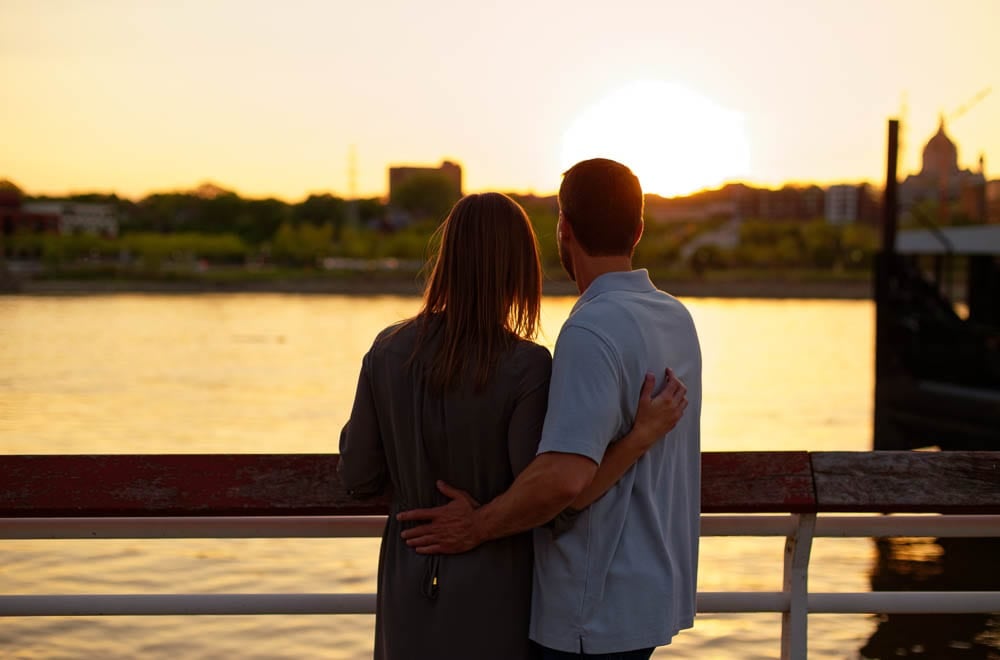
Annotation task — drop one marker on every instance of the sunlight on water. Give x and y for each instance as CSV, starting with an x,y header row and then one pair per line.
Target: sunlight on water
x,y
259,373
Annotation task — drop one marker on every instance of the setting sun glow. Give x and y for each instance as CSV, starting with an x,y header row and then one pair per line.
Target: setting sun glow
x,y
675,140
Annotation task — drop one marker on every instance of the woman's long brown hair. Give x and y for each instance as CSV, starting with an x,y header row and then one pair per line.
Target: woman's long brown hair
x,y
485,287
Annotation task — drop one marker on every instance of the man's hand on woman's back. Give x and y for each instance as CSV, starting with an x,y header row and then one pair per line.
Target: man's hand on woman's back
x,y
658,414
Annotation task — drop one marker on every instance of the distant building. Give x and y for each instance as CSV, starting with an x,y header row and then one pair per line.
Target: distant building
x,y
399,175
420,191
993,201
788,203
693,208
16,219
942,181
742,202
79,217
848,204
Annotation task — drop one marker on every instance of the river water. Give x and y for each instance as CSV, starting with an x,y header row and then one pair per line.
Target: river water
x,y
276,373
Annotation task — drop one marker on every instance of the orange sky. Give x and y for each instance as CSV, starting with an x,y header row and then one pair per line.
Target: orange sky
x,y
267,98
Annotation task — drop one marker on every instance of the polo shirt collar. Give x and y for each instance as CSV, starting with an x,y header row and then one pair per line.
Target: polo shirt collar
x,y
627,280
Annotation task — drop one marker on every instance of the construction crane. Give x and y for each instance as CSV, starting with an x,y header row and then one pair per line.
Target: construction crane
x,y
969,104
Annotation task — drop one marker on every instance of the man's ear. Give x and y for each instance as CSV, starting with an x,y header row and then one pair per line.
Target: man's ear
x,y
563,229
638,232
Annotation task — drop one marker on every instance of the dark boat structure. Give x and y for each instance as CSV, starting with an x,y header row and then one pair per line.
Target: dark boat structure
x,y
937,347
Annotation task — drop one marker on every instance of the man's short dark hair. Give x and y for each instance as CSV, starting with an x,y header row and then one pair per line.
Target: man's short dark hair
x,y
602,201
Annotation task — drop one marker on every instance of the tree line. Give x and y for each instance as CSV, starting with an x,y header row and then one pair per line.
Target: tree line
x,y
213,226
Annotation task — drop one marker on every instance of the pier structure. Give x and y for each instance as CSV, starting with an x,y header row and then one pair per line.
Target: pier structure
x,y
796,495
937,329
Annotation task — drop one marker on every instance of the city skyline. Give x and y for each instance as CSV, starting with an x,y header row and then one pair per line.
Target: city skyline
x,y
271,100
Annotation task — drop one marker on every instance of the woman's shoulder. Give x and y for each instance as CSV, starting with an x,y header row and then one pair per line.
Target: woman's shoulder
x,y
399,334
532,350
527,354
528,366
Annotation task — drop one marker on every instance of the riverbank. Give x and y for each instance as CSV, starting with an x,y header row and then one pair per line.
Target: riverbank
x,y
709,287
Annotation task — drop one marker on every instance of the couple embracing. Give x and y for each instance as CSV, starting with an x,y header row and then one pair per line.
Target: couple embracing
x,y
542,506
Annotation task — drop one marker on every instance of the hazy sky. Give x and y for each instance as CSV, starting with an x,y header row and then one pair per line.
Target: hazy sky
x,y
268,98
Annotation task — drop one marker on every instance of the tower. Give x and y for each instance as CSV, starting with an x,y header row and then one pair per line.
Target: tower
x,y
353,217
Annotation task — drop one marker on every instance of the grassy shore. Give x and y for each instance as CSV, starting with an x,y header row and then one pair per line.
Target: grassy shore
x,y
721,284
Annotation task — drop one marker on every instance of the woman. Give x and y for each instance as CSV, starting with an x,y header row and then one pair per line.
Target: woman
x,y
458,394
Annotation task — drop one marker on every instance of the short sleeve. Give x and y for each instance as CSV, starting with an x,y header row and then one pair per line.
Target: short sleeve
x,y
584,411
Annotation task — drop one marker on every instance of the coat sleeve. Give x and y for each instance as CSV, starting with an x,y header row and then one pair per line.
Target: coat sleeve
x,y
362,467
526,421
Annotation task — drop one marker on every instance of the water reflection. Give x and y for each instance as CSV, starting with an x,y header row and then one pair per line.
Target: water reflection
x,y
947,564
265,373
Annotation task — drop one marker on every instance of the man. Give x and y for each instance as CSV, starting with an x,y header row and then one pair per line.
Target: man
x,y
622,579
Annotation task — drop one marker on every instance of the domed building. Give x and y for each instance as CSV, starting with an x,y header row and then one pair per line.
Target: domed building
x,y
940,155
941,180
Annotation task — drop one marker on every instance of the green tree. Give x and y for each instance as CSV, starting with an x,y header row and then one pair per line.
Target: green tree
x,y
370,210
10,186
302,245
259,219
822,244
321,210
859,243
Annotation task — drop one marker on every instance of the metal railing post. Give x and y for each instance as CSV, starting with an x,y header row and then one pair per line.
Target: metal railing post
x,y
795,621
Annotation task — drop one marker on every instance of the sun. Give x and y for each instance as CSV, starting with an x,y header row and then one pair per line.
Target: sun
x,y
674,139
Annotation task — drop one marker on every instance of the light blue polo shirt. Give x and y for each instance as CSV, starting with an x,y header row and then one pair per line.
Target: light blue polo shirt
x,y
624,576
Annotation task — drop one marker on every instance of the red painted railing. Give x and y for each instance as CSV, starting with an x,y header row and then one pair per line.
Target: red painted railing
x,y
306,484
256,495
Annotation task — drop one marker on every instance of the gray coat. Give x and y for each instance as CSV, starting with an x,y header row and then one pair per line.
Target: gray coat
x,y
402,436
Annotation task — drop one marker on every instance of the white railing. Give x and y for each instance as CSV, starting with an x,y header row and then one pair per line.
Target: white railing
x,y
794,602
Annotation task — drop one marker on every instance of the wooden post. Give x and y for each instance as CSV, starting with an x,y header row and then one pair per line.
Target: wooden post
x,y
885,266
890,204
795,622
